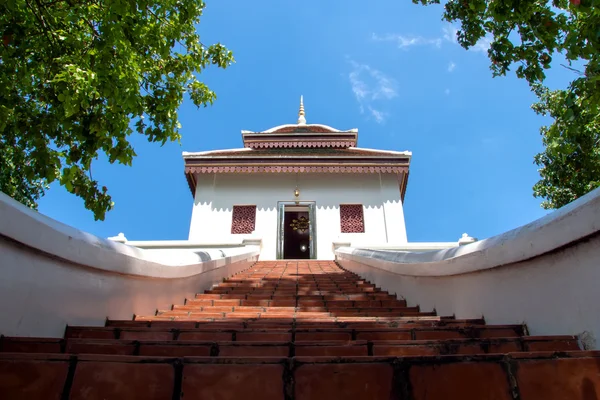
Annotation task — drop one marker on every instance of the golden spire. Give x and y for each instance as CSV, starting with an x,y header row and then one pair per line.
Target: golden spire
x,y
301,118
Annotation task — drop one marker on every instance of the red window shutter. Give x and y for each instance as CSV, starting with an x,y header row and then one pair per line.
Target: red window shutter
x,y
352,218
243,219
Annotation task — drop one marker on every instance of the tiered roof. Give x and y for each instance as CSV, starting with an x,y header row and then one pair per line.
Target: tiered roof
x,y
299,148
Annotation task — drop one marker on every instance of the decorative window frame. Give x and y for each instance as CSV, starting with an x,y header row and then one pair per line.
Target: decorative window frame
x,y
352,218
243,219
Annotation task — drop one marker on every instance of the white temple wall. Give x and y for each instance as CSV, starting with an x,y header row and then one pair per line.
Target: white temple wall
x,y
216,194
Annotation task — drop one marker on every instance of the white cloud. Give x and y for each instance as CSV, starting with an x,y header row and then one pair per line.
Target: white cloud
x,y
370,86
451,66
483,45
378,115
448,35
407,41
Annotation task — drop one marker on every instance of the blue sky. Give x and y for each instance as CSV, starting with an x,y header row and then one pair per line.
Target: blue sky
x,y
391,69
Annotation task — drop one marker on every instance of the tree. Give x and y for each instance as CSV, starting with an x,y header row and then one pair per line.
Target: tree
x,y
529,34
78,77
570,163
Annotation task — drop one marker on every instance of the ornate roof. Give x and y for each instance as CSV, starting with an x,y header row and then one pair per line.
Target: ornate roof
x,y
301,135
299,148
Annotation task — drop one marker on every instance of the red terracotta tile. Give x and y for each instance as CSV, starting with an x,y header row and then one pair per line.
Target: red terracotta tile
x,y
175,324
438,334
229,302
250,308
332,351
204,296
383,335
224,382
339,303
282,316
559,379
174,313
467,348
310,303
206,314
356,319
282,303
173,350
259,297
120,380
343,381
99,347
198,302
253,351
406,350
275,310
126,323
146,335
242,314
463,380
271,325
263,337
205,336
504,347
319,336
553,345
261,303
30,345
220,325
89,333
233,296
318,324
32,379
497,333
217,309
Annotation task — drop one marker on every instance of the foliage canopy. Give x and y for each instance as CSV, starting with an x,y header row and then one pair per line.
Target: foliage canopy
x,y
78,77
529,34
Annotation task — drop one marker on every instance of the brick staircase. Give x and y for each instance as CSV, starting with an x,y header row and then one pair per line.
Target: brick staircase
x,y
298,330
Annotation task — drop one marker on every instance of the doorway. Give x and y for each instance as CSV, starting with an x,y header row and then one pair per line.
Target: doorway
x,y
296,231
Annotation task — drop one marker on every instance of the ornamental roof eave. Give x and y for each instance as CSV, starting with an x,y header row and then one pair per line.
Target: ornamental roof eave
x,y
248,152
290,135
326,128
300,139
324,160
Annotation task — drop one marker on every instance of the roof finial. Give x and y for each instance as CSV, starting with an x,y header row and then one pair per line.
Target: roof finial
x,y
301,119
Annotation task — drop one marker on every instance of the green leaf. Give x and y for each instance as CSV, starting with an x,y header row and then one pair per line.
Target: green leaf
x,y
75,81
528,34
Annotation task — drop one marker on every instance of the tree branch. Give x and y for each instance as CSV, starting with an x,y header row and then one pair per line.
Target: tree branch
x,y
573,69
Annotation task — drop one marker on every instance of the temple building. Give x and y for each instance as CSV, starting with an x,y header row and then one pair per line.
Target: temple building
x,y
302,189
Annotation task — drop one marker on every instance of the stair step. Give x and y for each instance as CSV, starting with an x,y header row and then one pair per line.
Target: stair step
x,y
210,343
301,330
383,333
548,376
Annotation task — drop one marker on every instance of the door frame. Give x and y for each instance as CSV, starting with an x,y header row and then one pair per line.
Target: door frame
x,y
312,226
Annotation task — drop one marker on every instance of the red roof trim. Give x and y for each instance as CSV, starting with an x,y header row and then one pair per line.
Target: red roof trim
x,y
300,139
304,129
295,169
307,144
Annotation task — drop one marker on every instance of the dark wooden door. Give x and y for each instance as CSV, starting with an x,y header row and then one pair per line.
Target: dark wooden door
x,y
296,235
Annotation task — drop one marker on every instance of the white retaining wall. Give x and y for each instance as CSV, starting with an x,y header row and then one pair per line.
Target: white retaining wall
x,y
545,274
52,275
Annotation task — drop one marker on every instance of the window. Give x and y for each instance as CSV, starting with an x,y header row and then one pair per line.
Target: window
x,y
243,219
352,218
